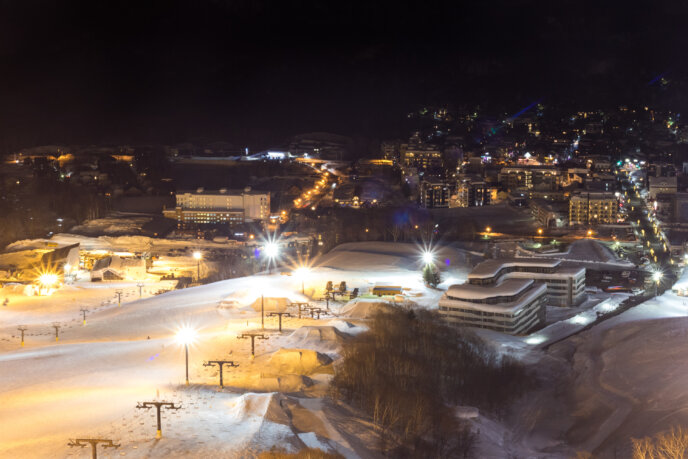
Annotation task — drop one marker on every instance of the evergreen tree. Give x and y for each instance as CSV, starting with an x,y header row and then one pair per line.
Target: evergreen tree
x,y
431,276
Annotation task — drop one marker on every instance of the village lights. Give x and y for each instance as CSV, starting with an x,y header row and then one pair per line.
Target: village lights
x,y
186,335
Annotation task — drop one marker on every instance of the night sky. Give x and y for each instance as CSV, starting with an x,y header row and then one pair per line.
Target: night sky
x,y
255,71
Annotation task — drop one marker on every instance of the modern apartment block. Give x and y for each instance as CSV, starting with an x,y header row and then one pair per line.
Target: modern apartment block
x,y
510,295
565,285
591,208
515,306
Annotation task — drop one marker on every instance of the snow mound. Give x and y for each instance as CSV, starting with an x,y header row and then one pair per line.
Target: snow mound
x,y
266,406
347,327
299,361
271,304
325,338
259,420
363,308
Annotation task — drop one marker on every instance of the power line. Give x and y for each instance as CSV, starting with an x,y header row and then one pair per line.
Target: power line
x,y
157,406
82,442
253,337
220,364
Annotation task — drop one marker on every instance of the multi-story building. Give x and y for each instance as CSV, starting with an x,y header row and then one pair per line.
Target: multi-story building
x,y
591,208
390,150
514,306
565,285
222,206
435,193
471,191
549,214
530,177
662,185
420,155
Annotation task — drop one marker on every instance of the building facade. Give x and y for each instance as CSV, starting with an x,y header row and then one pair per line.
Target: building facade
x,y
515,306
591,208
565,285
471,192
530,177
222,206
434,194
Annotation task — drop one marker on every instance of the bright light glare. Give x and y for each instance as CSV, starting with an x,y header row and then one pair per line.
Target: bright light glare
x,y
302,271
197,255
48,279
271,250
428,257
657,276
186,335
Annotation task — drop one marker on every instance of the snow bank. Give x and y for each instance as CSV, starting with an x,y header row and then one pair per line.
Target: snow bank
x,y
361,308
319,338
299,361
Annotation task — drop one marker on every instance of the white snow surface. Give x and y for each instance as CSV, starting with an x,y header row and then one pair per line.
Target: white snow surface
x,y
88,383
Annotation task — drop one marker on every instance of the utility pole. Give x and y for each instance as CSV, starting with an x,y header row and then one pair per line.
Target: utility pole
x,y
140,286
83,314
157,406
280,314
82,442
22,329
253,337
57,326
119,298
262,312
220,364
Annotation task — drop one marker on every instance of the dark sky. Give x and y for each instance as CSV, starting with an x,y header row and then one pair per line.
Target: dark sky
x,y
255,71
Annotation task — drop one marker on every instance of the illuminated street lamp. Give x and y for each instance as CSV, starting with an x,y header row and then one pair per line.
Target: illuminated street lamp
x,y
488,229
589,233
197,256
302,272
539,231
271,250
186,336
428,257
47,280
657,277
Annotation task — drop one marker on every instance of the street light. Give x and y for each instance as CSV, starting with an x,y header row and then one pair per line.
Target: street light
x,y
271,250
186,335
197,256
657,277
428,257
539,231
302,272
